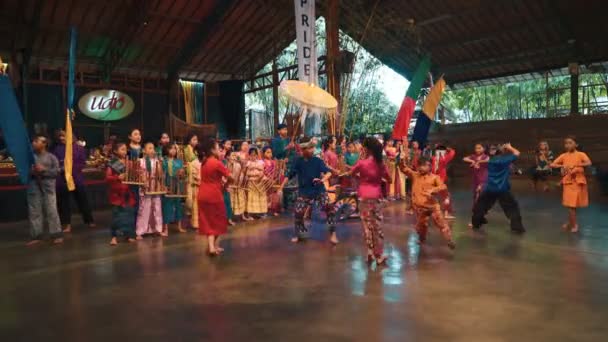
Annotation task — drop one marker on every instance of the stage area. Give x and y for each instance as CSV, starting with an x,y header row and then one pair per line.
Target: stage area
x,y
544,286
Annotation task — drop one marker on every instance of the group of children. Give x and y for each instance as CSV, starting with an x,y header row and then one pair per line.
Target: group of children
x,y
213,184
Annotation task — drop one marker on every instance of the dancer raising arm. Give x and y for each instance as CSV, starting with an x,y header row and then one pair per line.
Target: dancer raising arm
x,y
312,173
498,187
213,220
372,172
425,186
575,194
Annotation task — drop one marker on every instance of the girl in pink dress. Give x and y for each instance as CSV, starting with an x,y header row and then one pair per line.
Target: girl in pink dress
x,y
372,173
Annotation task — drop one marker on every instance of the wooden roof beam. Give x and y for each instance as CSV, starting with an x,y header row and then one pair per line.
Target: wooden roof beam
x,y
201,34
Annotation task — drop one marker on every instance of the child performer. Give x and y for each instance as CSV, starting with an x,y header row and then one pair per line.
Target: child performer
x,y
120,195
134,153
134,148
163,141
226,193
575,194
237,194
478,162
498,187
544,158
225,148
351,157
41,195
190,151
174,173
372,172
257,203
312,173
212,212
424,185
391,163
149,205
275,196
192,184
402,152
443,156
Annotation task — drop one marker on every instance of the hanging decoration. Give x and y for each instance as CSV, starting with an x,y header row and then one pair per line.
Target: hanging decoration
x,y
69,113
193,101
14,131
406,111
312,101
307,58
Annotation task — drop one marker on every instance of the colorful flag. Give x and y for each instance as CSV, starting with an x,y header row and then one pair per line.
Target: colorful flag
x,y
14,130
404,116
422,128
433,98
69,140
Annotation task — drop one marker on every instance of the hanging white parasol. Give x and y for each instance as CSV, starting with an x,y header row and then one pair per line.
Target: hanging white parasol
x,y
311,99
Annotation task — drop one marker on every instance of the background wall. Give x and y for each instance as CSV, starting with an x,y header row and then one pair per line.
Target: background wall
x,y
591,132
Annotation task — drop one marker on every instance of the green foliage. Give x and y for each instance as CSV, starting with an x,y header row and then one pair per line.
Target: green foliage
x,y
367,108
528,99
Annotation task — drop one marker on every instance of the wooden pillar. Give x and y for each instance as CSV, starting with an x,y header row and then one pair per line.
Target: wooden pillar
x,y
275,94
547,94
333,55
574,94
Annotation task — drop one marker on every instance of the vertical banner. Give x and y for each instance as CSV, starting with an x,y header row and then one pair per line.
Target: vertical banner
x,y
69,139
404,116
305,40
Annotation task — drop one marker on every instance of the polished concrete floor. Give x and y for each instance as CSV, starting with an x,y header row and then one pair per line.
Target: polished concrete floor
x,y
544,286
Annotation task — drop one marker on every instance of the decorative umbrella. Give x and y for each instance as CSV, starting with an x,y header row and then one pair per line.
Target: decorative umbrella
x,y
311,100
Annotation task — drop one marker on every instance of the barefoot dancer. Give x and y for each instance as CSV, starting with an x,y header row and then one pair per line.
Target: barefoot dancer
x,y
120,195
213,221
424,186
372,172
498,187
575,194
311,172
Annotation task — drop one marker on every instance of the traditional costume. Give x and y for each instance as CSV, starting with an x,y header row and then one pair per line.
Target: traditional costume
x,y
498,187
149,214
394,188
307,169
371,177
172,206
192,184
574,182
257,199
479,173
122,200
426,206
212,211
439,165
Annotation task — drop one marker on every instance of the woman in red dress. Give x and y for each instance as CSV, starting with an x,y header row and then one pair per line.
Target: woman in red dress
x,y
212,217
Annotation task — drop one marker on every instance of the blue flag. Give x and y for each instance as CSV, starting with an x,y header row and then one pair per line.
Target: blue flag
x,y
13,128
421,130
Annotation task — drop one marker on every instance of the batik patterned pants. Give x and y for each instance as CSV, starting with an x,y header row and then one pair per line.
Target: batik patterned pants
x,y
424,215
42,207
370,210
149,215
304,204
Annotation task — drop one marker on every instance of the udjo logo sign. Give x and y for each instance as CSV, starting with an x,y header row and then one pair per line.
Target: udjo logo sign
x,y
106,105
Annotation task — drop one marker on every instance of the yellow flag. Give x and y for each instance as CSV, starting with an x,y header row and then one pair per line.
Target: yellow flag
x,y
69,153
433,98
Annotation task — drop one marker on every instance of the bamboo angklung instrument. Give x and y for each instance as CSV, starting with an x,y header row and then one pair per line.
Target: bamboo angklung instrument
x,y
155,180
133,172
176,183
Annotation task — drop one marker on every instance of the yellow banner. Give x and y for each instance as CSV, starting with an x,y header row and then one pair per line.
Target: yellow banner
x,y
433,98
69,153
